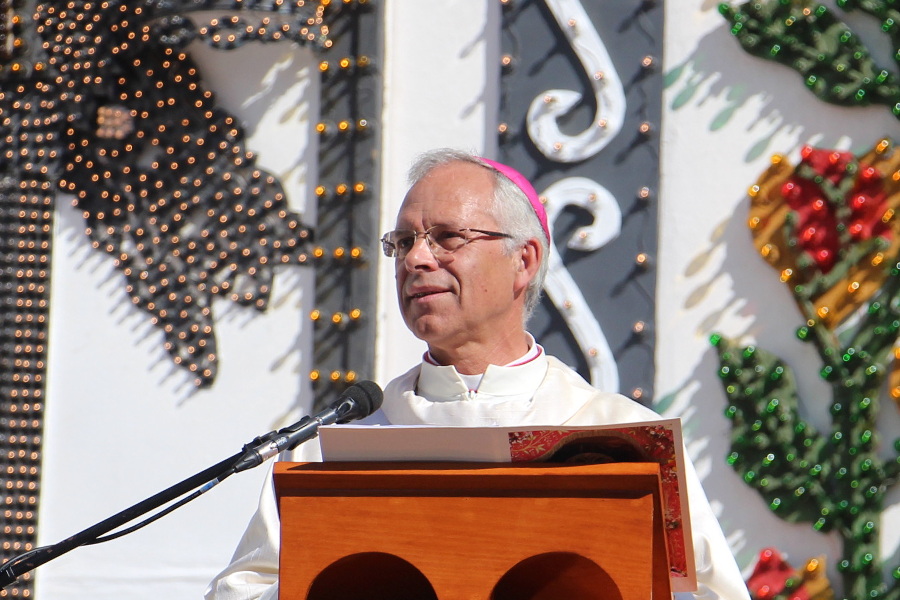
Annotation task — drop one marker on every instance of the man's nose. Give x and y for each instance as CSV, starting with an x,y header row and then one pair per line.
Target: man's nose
x,y
420,254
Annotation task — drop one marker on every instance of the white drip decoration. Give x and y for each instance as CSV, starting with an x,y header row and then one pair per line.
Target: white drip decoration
x,y
559,285
609,95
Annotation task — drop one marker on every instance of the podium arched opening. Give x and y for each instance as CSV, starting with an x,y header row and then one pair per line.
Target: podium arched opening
x,y
556,575
370,576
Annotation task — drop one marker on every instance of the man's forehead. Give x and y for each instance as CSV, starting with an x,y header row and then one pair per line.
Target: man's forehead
x,y
412,214
450,192
457,176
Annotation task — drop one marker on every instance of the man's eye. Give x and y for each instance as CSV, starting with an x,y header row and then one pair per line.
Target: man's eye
x,y
404,242
448,235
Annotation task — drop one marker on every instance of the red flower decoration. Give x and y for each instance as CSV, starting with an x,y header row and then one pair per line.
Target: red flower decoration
x,y
770,577
821,218
828,225
773,577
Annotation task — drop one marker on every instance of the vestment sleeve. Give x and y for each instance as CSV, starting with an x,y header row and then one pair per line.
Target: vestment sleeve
x,y
718,576
253,571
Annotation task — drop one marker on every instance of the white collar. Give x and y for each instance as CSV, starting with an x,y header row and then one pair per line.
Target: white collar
x,y
541,392
521,377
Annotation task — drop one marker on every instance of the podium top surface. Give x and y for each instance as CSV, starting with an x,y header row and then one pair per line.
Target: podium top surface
x,y
293,478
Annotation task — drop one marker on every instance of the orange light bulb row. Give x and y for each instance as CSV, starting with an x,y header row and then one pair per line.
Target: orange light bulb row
x,y
343,127
336,376
337,318
26,219
296,21
13,47
341,191
348,65
340,253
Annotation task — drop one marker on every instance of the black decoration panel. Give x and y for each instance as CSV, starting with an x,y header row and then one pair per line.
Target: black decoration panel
x,y
580,113
346,246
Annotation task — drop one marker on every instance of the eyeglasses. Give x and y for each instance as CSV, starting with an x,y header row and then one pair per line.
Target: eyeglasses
x,y
442,239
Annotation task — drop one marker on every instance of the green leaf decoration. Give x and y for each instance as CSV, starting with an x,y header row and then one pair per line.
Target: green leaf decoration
x,y
835,63
775,451
835,481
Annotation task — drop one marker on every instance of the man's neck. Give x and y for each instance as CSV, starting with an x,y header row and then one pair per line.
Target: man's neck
x,y
473,359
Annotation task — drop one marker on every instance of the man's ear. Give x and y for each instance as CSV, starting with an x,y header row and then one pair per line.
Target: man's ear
x,y
529,261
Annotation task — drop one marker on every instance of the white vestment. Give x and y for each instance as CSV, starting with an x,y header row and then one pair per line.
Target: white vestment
x,y
541,392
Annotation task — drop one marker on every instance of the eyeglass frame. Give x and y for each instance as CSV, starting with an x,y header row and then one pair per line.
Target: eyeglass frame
x,y
390,249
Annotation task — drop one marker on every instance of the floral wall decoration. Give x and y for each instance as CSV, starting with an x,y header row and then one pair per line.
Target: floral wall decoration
x,y
828,227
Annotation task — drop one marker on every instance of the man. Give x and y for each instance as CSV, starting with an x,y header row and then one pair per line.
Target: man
x,y
470,251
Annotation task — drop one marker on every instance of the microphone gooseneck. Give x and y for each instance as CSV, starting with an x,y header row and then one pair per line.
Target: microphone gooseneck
x,y
356,402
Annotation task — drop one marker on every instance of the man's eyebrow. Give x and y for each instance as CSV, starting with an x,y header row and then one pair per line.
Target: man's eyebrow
x,y
400,227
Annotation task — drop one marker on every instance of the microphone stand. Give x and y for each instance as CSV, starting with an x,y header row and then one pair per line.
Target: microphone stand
x,y
359,400
208,478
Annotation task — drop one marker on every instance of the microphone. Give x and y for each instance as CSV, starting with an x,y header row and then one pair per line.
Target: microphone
x,y
356,402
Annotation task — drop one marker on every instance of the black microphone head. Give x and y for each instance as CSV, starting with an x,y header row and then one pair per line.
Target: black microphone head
x,y
365,396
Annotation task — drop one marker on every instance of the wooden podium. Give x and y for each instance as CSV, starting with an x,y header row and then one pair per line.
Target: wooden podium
x,y
471,531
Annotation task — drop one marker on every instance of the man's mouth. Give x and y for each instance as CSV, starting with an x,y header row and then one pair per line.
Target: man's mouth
x,y
417,294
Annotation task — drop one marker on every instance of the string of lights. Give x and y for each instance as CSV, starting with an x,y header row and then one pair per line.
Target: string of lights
x,y
346,236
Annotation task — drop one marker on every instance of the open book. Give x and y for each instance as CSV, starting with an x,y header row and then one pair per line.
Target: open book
x,y
651,441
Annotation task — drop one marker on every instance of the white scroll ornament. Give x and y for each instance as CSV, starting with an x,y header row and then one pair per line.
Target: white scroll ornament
x,y
561,288
609,95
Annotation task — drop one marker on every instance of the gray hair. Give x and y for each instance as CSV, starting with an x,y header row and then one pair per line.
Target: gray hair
x,y
510,206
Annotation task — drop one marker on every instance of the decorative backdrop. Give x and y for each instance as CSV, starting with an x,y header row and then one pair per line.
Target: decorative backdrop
x,y
828,227
101,101
580,114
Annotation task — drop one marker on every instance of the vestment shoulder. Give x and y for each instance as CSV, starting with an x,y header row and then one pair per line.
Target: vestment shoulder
x,y
597,406
402,383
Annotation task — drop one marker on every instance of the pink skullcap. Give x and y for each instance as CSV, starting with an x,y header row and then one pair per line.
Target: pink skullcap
x,y
526,187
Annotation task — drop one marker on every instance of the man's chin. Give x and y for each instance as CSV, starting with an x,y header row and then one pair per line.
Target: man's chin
x,y
428,328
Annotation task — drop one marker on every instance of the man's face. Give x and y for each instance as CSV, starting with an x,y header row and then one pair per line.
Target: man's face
x,y
472,295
